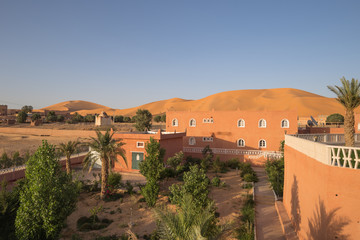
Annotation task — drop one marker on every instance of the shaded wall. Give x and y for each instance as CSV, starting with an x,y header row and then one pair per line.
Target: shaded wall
x,y
321,200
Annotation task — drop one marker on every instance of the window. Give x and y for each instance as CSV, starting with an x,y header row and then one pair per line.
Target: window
x,y
211,120
192,141
208,120
241,143
192,122
241,123
140,144
262,123
207,139
262,143
175,122
285,123
204,120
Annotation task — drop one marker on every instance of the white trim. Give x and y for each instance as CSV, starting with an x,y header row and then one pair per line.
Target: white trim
x,y
288,123
260,143
237,142
262,126
242,120
137,144
176,122
192,119
192,141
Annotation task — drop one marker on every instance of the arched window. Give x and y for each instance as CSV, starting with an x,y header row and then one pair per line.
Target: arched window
x,y
192,123
175,122
262,123
241,123
241,143
285,123
204,120
192,141
262,143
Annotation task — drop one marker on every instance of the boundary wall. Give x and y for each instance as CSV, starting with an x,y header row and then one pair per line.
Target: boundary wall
x,y
321,196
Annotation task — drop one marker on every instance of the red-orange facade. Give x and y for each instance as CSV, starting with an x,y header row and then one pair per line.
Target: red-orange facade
x,y
247,135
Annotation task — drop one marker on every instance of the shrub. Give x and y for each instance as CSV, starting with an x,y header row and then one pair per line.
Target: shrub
x,y
249,177
168,173
219,166
233,163
60,118
114,180
51,116
35,116
157,118
275,172
129,188
119,118
85,224
215,182
89,118
196,184
247,169
150,192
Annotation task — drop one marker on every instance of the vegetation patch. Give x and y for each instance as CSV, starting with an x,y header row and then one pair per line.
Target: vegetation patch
x,y
85,224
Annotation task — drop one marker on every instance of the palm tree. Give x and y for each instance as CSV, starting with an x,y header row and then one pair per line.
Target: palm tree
x,y
68,149
349,96
187,223
107,149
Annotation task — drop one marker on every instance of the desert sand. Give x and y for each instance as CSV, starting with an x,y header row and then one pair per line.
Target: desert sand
x,y
278,99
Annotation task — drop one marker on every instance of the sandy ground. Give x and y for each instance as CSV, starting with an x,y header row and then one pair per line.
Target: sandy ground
x,y
23,137
228,202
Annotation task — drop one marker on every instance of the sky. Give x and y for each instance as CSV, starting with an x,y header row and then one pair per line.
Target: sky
x,y
123,54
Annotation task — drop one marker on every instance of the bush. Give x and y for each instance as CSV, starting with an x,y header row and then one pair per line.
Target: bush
x,y
275,172
35,116
215,182
89,118
249,177
247,169
157,118
114,180
233,163
196,184
150,192
219,166
119,118
129,188
60,118
51,116
85,224
168,173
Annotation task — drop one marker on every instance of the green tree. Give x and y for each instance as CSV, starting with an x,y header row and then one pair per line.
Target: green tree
x,y
105,148
163,117
119,118
151,168
17,160
77,118
60,118
89,118
21,117
68,149
47,197
335,118
143,120
196,184
188,222
157,118
27,109
35,116
127,119
51,116
349,96
175,160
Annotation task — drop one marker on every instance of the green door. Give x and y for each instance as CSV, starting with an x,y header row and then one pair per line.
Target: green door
x,y
137,157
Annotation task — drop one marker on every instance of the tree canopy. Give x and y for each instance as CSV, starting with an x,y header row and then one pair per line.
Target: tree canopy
x,y
335,118
143,120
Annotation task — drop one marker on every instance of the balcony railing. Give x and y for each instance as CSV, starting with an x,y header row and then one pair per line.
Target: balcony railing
x,y
332,155
327,138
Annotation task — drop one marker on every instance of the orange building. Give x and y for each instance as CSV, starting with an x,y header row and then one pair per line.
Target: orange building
x,y
248,135
135,147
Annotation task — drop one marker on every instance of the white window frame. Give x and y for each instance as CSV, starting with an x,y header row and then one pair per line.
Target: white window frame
x,y
260,143
176,122
192,141
204,120
262,126
138,146
194,122
239,121
238,141
208,139
287,123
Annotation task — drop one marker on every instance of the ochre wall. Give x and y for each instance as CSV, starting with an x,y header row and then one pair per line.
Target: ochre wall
x,y
322,201
225,130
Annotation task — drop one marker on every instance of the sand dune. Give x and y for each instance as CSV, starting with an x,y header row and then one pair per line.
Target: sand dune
x,y
305,103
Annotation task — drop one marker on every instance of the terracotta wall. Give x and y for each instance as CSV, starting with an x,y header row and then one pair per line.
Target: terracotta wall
x,y
225,131
319,130
172,143
321,200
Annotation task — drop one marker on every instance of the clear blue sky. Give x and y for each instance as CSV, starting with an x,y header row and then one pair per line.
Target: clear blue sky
x,y
126,53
